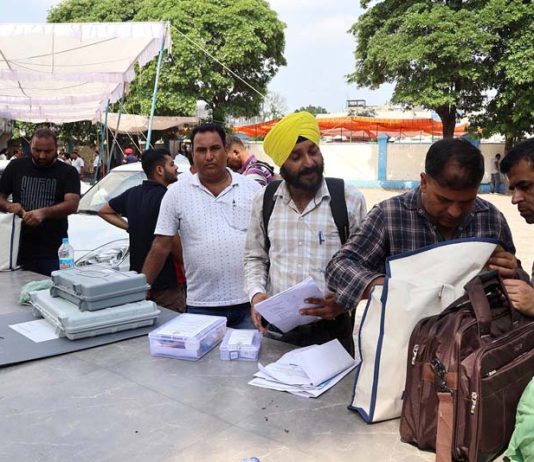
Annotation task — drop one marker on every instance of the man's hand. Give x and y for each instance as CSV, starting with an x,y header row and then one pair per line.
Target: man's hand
x,y
504,262
521,294
326,308
15,208
34,217
255,316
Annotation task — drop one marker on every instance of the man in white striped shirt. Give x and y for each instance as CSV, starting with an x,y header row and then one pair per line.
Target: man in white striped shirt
x,y
302,235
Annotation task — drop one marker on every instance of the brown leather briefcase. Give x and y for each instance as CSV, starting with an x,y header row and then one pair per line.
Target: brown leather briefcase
x,y
467,368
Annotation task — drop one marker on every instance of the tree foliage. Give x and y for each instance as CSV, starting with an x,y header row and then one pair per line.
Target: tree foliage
x,y
509,109
313,109
434,53
245,35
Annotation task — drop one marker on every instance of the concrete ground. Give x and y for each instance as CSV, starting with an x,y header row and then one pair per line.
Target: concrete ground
x,y
522,232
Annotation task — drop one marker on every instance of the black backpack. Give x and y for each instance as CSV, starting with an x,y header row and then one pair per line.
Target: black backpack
x,y
336,187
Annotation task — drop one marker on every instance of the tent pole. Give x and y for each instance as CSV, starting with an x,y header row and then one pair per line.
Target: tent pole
x,y
103,134
114,144
154,95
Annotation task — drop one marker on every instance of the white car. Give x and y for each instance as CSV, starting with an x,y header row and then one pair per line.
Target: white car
x,y
96,241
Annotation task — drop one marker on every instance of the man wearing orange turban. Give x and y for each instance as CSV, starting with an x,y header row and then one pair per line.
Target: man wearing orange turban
x,y
301,235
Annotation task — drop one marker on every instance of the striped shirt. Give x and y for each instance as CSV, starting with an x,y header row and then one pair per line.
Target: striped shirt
x,y
398,225
257,170
301,243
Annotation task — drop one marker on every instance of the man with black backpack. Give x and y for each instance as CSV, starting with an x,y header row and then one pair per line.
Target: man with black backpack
x,y
296,226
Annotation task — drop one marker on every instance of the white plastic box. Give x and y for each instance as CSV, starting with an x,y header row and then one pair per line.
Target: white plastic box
x,y
241,345
188,336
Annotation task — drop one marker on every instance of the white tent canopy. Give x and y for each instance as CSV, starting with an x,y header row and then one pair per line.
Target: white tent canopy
x,y
69,72
137,124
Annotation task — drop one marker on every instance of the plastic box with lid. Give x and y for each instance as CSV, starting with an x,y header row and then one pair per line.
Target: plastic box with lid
x,y
188,336
241,345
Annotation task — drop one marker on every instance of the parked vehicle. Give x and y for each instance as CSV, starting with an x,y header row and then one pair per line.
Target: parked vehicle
x,y
95,241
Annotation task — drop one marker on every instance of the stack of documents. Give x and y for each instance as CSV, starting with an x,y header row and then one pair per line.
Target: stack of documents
x,y
282,310
308,371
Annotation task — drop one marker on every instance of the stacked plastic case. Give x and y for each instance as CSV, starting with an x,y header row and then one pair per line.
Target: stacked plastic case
x,y
89,301
188,336
94,288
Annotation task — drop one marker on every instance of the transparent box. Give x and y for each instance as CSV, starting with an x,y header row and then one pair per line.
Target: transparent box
x,y
241,345
188,336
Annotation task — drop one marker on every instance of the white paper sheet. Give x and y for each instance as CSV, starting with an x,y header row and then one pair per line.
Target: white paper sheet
x,y
324,361
37,331
308,371
241,337
187,325
282,310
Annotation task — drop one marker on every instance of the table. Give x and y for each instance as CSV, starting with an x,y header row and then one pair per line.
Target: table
x,y
117,403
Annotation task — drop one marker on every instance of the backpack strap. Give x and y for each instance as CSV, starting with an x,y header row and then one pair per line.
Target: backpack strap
x,y
267,208
338,205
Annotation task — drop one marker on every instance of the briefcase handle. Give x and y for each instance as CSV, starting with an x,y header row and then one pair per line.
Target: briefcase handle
x,y
476,290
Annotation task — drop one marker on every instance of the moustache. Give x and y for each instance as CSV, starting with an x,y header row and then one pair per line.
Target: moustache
x,y
307,170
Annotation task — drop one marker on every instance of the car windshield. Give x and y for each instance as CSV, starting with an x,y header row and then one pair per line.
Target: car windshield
x,y
110,186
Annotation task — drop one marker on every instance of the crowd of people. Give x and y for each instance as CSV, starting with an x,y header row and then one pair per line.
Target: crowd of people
x,y
230,233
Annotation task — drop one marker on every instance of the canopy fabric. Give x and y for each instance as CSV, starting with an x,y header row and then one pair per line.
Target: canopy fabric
x,y
363,127
69,72
137,124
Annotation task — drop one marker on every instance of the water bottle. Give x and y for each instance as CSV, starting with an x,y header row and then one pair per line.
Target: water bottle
x,y
65,255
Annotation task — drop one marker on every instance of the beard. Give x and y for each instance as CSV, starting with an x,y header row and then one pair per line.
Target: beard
x,y
296,181
170,178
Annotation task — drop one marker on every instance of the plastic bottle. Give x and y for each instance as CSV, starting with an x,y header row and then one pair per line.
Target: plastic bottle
x,y
65,254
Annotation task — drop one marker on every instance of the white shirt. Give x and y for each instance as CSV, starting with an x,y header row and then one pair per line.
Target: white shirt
x,y
213,231
302,244
78,164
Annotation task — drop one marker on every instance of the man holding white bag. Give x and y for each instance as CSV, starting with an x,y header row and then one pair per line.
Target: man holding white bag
x,y
444,207
45,191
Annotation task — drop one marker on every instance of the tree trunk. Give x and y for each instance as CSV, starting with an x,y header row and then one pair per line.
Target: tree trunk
x,y
447,114
508,144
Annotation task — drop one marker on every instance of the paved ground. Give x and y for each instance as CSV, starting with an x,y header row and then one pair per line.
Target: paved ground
x,y
523,233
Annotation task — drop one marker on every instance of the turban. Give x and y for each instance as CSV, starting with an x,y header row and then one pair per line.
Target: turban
x,y
282,138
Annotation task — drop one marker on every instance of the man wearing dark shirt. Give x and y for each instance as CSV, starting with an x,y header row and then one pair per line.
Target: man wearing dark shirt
x,y
444,207
45,191
140,205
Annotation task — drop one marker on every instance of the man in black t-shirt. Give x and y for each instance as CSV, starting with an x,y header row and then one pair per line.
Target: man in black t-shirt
x,y
45,191
140,205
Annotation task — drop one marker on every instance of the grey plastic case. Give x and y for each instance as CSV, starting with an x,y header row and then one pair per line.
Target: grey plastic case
x,y
72,323
95,288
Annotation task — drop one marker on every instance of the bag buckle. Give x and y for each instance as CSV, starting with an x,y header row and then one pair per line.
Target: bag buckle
x,y
440,373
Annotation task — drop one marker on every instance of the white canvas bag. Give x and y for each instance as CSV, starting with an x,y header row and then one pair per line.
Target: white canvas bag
x,y
418,284
9,241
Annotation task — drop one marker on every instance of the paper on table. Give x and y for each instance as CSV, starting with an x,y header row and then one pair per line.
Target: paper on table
x,y
37,331
324,361
282,310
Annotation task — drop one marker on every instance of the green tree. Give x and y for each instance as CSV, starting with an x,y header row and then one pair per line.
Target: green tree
x,y
313,109
509,110
434,53
245,35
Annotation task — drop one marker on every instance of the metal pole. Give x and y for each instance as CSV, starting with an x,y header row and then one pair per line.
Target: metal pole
x,y
114,144
103,136
154,95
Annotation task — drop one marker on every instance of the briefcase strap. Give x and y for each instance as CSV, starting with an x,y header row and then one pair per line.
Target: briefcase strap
x,y
444,432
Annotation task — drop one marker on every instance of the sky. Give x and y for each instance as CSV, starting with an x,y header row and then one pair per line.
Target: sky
x,y
319,51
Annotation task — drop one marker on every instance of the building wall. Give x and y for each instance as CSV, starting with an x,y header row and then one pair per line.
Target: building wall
x,y
358,162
